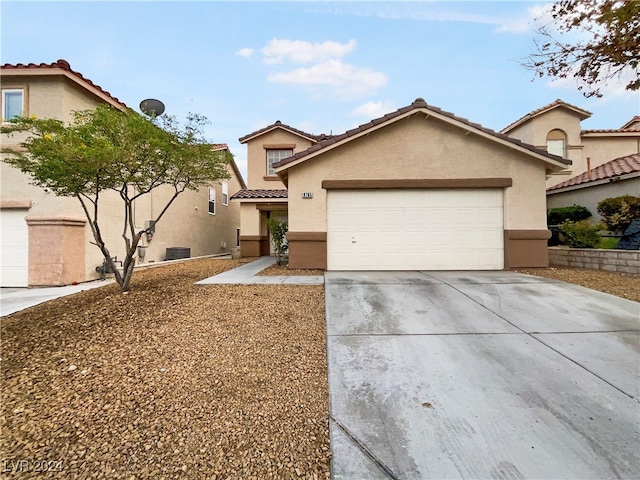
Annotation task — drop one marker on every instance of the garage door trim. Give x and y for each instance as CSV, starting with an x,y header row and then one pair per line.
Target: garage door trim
x,y
418,183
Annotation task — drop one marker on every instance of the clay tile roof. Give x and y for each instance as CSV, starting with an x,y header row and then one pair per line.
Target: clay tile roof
x,y
555,104
612,130
419,103
248,193
606,171
64,65
279,124
629,124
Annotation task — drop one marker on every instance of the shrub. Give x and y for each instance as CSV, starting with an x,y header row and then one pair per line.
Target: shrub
x,y
618,212
278,231
582,234
575,213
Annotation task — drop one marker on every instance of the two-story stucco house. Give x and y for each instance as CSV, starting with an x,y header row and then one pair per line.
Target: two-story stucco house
x,y
46,239
265,194
416,189
604,163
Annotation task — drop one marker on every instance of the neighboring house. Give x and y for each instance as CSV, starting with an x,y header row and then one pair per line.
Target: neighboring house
x,y
617,177
418,188
46,239
556,128
265,195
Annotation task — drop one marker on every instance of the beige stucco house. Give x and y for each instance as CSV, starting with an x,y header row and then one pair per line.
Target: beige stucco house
x,y
418,188
265,194
45,238
556,128
620,176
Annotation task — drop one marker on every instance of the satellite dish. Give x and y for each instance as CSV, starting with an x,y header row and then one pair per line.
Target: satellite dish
x,y
152,107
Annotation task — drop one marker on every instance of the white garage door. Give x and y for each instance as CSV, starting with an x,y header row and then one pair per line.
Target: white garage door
x,y
14,249
439,229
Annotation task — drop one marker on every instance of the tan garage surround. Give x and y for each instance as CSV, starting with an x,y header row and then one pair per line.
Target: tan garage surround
x,y
521,247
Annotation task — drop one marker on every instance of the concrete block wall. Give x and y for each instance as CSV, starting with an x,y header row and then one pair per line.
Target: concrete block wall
x,y
623,261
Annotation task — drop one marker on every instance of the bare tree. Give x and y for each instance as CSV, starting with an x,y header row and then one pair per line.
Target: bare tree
x,y
593,41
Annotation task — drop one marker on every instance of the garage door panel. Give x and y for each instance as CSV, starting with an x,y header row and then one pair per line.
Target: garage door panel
x,y
415,229
14,248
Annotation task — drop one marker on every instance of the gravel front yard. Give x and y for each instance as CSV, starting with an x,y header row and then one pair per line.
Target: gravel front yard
x,y
618,284
176,380
173,380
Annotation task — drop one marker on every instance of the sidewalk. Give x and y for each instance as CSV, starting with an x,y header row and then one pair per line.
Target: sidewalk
x,y
15,299
246,275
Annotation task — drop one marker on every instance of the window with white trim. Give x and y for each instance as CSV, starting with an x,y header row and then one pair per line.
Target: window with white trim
x,y
557,143
12,104
212,201
225,193
274,156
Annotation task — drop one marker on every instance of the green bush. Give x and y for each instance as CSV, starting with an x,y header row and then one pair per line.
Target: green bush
x,y
618,212
582,234
575,213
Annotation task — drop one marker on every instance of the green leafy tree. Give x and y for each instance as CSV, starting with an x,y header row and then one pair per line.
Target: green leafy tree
x,y
105,150
618,212
593,41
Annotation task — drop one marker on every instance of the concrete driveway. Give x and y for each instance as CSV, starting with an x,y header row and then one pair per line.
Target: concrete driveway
x,y
480,375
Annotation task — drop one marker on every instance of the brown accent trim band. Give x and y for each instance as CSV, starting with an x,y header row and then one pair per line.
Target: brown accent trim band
x,y
307,236
65,221
250,238
279,146
269,207
15,204
308,253
415,183
526,248
271,178
527,234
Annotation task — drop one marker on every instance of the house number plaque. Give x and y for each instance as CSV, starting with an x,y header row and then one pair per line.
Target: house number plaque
x,y
307,194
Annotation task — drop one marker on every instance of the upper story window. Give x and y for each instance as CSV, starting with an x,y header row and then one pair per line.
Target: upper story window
x,y
557,143
212,201
225,193
12,104
274,156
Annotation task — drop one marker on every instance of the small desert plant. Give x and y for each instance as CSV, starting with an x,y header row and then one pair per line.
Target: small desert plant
x,y
575,213
582,234
618,212
278,231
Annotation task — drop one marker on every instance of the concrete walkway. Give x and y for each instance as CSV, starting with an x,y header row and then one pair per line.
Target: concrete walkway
x,y
247,275
480,375
15,299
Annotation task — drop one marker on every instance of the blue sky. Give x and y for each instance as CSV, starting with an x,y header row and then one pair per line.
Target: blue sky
x,y
322,67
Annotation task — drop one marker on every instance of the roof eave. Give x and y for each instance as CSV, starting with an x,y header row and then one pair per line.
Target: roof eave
x,y
58,71
554,164
583,114
595,183
272,128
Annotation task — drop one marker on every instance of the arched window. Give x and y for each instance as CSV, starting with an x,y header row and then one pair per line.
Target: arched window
x,y
557,143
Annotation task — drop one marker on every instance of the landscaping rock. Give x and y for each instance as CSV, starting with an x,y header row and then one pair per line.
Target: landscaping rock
x,y
173,380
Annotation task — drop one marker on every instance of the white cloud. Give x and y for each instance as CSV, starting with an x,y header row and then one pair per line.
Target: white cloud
x,y
299,51
245,52
537,14
373,110
614,87
439,12
344,79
